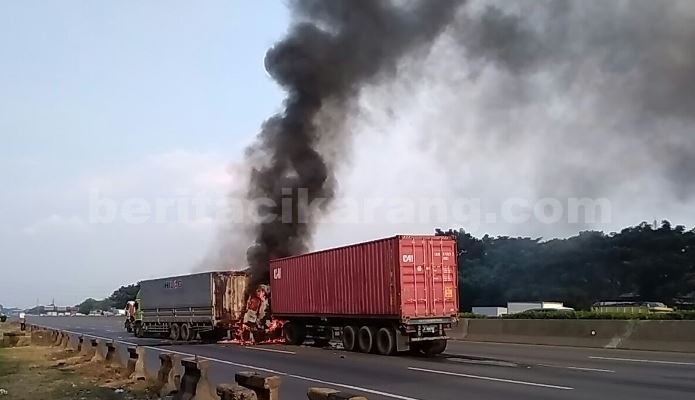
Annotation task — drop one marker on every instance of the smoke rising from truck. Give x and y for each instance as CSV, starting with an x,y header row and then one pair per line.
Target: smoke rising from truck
x,y
333,49
616,79
539,99
570,99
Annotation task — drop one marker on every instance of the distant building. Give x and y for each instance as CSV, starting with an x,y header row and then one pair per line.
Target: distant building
x,y
519,307
630,307
490,311
55,311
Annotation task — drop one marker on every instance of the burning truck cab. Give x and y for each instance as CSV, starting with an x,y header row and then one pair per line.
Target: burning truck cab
x,y
258,324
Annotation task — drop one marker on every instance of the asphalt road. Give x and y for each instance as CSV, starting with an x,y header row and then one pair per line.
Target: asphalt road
x,y
467,370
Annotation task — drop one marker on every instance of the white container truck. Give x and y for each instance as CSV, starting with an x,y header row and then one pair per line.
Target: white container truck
x,y
208,304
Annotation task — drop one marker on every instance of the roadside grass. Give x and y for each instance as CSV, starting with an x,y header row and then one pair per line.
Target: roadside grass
x,y
34,372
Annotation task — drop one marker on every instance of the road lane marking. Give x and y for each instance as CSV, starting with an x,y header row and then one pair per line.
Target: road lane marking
x,y
642,361
351,387
610,371
269,350
289,375
488,378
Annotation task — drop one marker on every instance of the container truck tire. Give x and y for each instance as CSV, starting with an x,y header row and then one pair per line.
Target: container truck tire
x,y
386,341
350,338
174,332
294,333
433,347
366,339
187,333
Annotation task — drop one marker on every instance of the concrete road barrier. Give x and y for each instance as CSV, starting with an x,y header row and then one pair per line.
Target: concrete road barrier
x,y
40,338
331,394
173,382
676,336
11,339
88,347
73,343
136,363
15,339
189,380
112,356
186,379
56,338
195,383
267,387
65,344
99,351
93,347
163,373
86,350
616,334
235,392
204,389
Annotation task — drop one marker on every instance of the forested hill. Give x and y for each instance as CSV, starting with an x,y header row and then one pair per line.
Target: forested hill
x,y
647,262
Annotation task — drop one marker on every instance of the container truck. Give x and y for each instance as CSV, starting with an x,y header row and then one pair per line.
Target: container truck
x,y
208,304
384,296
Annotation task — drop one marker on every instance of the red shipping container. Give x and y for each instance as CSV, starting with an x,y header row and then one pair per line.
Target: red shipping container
x,y
402,277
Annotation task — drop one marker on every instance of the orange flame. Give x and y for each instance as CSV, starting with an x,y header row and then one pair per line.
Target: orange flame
x,y
246,336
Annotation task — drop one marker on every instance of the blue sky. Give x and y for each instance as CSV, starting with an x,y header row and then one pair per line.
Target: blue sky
x,y
104,91
99,81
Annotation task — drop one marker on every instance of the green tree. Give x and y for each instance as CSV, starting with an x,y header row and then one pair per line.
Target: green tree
x,y
122,295
652,263
90,305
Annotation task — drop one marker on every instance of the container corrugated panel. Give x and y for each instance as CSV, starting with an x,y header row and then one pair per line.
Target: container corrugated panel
x,y
400,277
236,290
428,277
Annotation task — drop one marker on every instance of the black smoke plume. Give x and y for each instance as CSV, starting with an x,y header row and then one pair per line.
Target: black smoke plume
x,y
587,98
332,50
625,69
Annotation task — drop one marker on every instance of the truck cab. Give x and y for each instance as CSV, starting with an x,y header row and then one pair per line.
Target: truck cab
x,y
133,313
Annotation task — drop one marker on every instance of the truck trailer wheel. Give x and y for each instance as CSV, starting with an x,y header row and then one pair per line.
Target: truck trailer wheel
x,y
350,338
187,333
294,333
386,341
366,338
174,332
433,347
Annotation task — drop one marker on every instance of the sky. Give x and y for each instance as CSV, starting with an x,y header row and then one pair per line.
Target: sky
x,y
117,117
128,98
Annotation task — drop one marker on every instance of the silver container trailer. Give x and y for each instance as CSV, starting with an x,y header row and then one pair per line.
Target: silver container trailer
x,y
208,304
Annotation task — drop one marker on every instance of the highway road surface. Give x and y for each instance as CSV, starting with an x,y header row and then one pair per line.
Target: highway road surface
x,y
466,371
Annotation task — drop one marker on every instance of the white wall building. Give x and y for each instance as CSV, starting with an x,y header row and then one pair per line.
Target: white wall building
x,y
518,307
490,311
